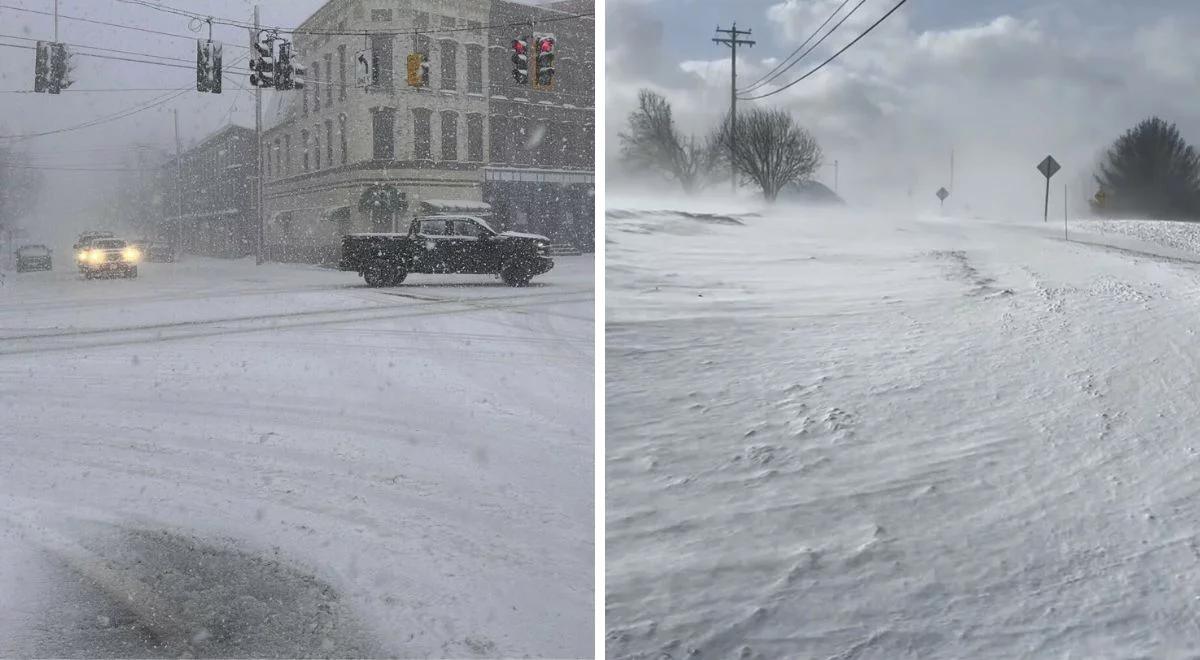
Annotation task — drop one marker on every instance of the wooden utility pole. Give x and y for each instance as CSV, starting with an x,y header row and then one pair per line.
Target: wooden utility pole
x,y
258,158
733,41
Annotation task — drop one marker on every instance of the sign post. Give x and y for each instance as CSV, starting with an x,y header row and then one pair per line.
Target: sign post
x,y
1048,167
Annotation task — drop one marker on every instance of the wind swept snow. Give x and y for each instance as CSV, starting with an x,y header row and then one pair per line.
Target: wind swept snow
x,y
854,435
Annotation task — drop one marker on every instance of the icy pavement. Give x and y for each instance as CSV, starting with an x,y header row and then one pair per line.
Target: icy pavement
x,y
219,459
847,436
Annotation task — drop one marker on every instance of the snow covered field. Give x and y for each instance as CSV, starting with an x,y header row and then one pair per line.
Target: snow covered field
x,y
221,459
855,435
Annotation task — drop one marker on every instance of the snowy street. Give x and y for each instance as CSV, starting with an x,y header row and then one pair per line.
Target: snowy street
x,y
222,459
845,435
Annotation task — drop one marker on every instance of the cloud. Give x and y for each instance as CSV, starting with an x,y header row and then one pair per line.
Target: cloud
x,y
1002,91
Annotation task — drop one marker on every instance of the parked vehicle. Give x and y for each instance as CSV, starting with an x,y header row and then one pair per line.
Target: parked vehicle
x,y
110,256
446,244
33,257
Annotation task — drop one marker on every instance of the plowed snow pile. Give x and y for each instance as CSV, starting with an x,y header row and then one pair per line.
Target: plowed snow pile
x,y
845,436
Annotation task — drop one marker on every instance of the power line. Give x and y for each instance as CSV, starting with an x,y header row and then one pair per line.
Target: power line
x,y
116,25
103,49
102,120
764,79
43,168
831,57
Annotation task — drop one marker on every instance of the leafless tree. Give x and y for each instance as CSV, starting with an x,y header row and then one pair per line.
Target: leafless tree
x,y
653,143
771,149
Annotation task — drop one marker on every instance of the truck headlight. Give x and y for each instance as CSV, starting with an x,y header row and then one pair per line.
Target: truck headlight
x,y
95,256
131,254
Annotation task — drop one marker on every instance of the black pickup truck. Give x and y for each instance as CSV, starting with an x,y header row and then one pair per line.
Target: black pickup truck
x,y
446,244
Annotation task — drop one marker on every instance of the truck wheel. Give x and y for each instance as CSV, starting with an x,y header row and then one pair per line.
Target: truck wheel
x,y
516,274
377,274
396,275
132,273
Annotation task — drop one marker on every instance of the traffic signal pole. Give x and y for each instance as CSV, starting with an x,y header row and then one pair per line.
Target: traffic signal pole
x,y
733,42
258,204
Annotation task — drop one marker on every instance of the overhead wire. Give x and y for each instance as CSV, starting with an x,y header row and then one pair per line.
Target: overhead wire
x,y
831,58
764,78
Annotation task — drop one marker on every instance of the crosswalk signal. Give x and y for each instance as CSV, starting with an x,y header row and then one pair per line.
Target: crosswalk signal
x,y
262,59
51,67
543,77
208,66
418,70
520,60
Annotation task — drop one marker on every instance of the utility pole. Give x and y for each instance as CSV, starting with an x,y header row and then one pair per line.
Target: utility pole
x,y
179,186
258,157
55,21
733,41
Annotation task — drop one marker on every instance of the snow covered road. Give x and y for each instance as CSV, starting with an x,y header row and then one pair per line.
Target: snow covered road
x,y
223,459
853,436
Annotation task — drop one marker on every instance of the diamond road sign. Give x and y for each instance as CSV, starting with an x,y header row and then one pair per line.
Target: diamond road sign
x,y
1048,167
942,194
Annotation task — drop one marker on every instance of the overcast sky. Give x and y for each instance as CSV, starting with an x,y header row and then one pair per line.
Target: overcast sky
x,y
1001,83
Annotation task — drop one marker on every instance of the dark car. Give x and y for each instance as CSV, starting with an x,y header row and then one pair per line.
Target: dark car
x,y
33,257
84,241
155,251
446,244
109,256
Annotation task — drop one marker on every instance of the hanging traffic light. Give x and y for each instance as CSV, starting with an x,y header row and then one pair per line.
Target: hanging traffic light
x,y
262,58
520,60
418,70
51,67
289,75
543,72
208,66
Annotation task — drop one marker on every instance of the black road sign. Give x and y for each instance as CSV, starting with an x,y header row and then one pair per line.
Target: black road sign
x,y
1048,167
942,194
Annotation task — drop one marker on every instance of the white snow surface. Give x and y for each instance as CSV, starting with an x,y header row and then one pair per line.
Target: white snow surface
x,y
220,459
873,435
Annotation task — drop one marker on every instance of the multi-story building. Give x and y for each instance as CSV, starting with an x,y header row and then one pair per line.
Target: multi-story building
x,y
341,158
540,172
218,195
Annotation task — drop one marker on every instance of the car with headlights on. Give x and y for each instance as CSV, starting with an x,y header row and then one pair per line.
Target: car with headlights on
x,y
109,256
33,257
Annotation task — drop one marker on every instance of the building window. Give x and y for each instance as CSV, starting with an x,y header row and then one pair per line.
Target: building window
x,y
381,53
329,142
474,69
317,147
304,141
475,138
381,15
267,158
448,23
449,65
316,69
449,135
384,138
342,136
421,134
341,73
287,154
422,20
329,79
475,26
304,96
278,159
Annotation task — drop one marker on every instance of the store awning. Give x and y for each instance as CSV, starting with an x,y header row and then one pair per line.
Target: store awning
x,y
431,206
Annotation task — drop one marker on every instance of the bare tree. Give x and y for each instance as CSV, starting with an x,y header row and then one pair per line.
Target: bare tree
x,y
653,143
771,150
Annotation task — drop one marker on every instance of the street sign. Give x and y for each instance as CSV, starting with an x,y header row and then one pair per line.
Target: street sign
x,y
362,68
942,194
1048,167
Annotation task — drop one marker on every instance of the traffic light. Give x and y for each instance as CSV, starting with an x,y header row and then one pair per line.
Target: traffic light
x,y
418,70
520,60
208,66
288,74
262,59
50,68
543,72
